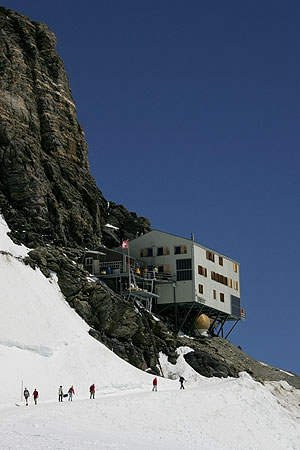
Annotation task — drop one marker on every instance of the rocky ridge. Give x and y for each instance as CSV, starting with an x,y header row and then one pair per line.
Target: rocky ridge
x,y
47,193
52,204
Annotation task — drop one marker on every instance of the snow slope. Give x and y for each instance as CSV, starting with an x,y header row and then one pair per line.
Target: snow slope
x,y
44,343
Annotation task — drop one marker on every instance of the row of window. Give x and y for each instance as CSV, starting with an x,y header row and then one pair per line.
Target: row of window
x,y
184,273
179,250
219,278
222,295
211,257
162,251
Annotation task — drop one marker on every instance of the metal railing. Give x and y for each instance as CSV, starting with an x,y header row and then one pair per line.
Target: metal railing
x,y
106,267
153,275
111,264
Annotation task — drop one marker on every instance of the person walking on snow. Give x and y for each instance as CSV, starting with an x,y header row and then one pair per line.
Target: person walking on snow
x,y
60,394
26,395
92,391
35,396
71,392
154,385
181,380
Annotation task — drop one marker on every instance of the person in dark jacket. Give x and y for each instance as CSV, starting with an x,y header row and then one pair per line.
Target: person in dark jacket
x,y
26,395
35,396
154,388
92,391
181,380
60,394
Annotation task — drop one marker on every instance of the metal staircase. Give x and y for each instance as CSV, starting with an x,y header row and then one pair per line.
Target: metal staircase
x,y
141,289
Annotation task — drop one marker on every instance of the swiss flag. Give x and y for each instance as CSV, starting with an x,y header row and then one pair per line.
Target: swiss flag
x,y
125,244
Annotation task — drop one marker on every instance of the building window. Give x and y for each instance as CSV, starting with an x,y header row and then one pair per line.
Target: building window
x,y
235,306
202,271
236,285
162,251
214,294
235,267
200,288
146,252
219,278
164,269
184,269
210,256
221,260
222,297
88,261
180,250
230,282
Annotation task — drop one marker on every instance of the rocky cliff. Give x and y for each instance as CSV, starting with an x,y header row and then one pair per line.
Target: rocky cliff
x,y
52,204
47,193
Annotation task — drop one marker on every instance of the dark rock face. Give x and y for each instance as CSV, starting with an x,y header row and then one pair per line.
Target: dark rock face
x,y
47,193
218,357
129,224
114,320
209,366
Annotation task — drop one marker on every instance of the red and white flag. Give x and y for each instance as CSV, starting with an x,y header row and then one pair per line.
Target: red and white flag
x,y
125,244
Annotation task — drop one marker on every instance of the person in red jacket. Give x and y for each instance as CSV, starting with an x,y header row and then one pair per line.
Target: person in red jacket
x,y
154,384
71,392
92,391
35,396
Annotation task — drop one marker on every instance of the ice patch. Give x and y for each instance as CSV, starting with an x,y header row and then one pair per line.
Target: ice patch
x,y
40,350
108,225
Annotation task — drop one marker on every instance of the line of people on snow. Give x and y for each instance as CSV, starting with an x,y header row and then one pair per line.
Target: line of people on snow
x,y
154,383
61,394
35,395
92,391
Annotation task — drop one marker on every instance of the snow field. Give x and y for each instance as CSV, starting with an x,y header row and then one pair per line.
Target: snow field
x,y
225,415
44,344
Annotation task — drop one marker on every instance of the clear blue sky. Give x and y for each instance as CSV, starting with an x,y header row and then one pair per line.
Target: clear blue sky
x,y
191,113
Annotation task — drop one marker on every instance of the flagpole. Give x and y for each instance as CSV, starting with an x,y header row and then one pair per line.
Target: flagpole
x,y
129,278
125,244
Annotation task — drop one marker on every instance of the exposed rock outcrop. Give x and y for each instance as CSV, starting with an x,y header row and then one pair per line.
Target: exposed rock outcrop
x,y
47,193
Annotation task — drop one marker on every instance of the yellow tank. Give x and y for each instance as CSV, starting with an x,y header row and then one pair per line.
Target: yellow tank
x,y
202,322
